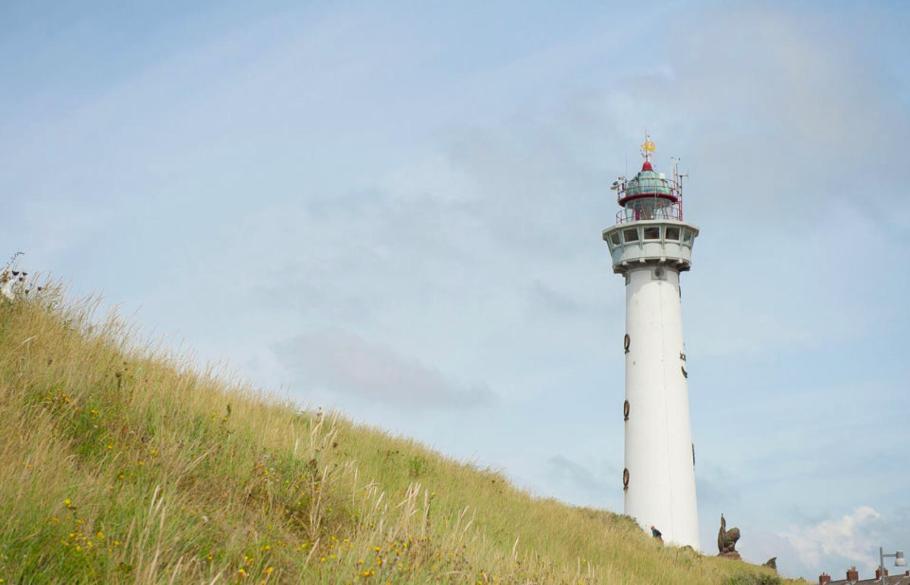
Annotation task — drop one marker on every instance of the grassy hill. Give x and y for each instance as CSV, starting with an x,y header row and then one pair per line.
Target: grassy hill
x,y
120,466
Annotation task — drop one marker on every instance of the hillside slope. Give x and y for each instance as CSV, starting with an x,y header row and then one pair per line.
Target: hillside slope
x,y
119,466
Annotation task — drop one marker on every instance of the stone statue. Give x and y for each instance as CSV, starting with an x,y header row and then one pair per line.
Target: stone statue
x,y
726,540
771,564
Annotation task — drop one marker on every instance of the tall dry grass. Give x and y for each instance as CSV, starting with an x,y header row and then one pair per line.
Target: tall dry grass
x,y
123,465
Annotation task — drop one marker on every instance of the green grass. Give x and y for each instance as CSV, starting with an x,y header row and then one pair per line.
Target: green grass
x,y
122,466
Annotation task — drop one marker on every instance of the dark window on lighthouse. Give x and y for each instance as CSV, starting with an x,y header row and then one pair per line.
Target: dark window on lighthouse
x,y
614,237
630,235
626,342
652,233
673,233
625,410
625,479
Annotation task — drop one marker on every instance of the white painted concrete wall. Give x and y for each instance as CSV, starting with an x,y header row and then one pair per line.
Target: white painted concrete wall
x,y
658,447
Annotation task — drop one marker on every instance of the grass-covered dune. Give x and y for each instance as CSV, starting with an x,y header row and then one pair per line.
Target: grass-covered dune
x,y
121,466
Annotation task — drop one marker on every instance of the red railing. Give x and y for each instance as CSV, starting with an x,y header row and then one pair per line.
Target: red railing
x,y
661,209
675,189
672,212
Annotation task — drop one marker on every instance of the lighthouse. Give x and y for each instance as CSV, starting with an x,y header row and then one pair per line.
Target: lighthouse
x,y
651,246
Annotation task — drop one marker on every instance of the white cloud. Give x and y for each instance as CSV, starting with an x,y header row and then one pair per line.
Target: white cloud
x,y
848,540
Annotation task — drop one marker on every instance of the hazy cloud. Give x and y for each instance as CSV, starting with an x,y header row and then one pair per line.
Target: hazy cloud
x,y
345,363
564,469
589,482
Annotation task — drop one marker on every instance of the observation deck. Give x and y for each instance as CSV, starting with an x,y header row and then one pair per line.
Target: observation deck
x,y
642,242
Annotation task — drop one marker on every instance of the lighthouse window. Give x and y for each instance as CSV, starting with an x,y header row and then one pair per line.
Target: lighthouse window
x,y
630,235
652,233
687,236
614,237
625,478
625,410
673,233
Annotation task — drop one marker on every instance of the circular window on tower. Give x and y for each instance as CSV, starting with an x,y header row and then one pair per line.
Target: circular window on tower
x,y
626,342
625,478
625,410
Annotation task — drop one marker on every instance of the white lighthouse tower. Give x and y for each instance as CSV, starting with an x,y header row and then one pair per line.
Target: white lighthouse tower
x,y
651,246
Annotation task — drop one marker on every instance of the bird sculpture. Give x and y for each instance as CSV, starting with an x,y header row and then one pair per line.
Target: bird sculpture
x,y
726,540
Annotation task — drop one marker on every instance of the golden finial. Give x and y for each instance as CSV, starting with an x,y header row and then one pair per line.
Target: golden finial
x,y
647,147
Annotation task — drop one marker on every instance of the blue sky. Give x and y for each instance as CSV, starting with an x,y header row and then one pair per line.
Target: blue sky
x,y
396,210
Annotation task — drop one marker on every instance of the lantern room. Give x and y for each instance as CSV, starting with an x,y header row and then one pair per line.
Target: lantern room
x,y
649,195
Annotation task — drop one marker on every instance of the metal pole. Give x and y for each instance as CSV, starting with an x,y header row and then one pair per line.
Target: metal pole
x,y
881,563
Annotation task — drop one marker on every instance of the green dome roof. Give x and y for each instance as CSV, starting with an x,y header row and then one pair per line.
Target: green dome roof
x,y
648,182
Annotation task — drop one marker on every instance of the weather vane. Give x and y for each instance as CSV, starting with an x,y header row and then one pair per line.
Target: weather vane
x,y
647,147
